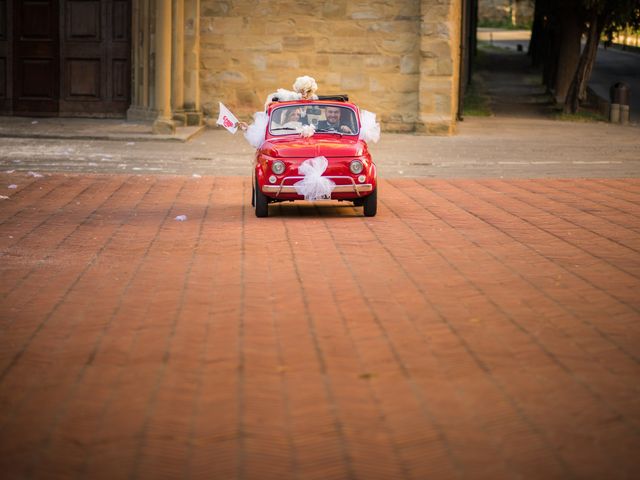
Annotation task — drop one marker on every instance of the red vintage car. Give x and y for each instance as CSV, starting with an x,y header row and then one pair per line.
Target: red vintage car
x,y
337,126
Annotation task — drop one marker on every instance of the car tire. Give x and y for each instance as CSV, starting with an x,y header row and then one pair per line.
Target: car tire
x,y
261,202
370,204
253,196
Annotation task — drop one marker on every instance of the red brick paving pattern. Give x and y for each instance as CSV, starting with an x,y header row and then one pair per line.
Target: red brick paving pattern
x,y
473,329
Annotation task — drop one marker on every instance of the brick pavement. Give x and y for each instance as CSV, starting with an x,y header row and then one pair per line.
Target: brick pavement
x,y
473,329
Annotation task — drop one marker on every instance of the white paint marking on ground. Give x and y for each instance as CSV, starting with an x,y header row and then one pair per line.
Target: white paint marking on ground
x,y
594,162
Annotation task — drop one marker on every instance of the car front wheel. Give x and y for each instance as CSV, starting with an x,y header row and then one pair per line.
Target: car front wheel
x,y
370,204
261,202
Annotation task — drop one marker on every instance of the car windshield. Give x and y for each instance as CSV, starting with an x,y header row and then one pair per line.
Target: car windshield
x,y
326,119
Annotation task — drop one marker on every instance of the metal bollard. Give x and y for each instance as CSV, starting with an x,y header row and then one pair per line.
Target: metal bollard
x,y
619,94
624,114
614,113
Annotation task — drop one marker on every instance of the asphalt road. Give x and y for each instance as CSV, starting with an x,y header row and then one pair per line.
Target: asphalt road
x,y
614,66
498,147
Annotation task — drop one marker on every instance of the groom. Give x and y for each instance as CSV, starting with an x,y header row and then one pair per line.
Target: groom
x,y
333,122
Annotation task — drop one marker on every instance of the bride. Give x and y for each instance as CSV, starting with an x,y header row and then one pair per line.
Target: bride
x,y
291,118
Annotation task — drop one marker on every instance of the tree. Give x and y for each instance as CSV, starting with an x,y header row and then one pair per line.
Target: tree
x,y
570,30
602,16
556,36
555,42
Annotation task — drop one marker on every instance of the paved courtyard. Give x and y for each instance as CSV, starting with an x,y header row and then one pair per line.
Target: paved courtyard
x,y
473,329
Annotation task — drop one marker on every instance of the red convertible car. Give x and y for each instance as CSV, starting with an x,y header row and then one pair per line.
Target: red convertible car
x,y
303,130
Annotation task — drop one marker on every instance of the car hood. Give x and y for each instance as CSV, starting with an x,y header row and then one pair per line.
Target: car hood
x,y
314,147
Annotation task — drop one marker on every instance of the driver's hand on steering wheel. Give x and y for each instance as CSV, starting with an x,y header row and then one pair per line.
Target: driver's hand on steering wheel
x,y
345,129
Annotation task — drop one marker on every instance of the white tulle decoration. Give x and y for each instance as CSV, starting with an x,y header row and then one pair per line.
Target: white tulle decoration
x,y
303,88
369,128
314,186
307,131
283,96
256,131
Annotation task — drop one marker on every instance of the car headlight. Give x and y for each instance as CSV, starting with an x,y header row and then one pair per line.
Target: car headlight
x,y
356,167
277,167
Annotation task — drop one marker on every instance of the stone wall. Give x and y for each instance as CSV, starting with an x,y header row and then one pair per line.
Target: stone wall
x,y
378,52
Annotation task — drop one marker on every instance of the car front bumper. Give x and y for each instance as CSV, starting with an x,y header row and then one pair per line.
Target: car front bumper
x,y
351,187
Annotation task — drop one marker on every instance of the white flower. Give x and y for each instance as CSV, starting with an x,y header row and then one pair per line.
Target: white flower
x,y
307,131
306,86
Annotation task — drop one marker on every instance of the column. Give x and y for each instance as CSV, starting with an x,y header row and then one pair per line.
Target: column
x,y
164,123
177,68
192,106
142,82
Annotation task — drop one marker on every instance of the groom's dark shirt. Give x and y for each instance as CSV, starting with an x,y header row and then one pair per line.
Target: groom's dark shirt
x,y
332,127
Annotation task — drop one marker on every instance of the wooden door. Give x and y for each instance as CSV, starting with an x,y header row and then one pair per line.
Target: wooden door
x,y
35,55
65,57
95,56
6,68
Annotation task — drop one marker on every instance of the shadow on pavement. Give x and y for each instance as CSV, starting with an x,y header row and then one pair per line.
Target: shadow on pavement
x,y
513,86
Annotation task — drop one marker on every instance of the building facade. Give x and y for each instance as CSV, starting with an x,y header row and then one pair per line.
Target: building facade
x,y
172,61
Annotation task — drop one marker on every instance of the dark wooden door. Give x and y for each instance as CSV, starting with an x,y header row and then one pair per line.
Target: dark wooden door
x,y
35,54
95,56
65,57
6,68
